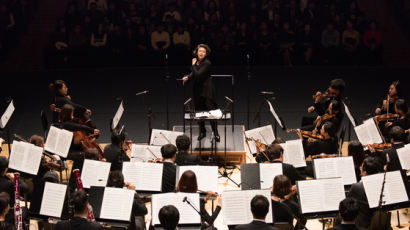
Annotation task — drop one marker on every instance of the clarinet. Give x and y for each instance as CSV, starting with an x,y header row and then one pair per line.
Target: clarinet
x,y
81,187
18,221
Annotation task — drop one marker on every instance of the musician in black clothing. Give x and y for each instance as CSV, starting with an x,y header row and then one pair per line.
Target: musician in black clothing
x,y
326,144
114,152
397,138
183,157
334,113
401,108
348,211
116,180
168,153
169,217
61,98
259,209
275,154
204,89
395,91
355,149
4,209
370,166
79,222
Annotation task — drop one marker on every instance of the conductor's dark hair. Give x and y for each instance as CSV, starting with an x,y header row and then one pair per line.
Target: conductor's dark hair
x,y
66,111
259,206
205,46
115,179
397,134
336,105
4,201
117,137
188,182
398,85
183,142
80,200
355,149
372,166
168,217
349,209
56,85
36,140
330,128
274,151
168,151
338,84
401,104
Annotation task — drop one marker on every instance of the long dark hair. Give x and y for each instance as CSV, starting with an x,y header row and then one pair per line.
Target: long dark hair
x,y
206,47
187,182
281,186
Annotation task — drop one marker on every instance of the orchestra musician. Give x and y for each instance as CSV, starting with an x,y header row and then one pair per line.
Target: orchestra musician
x,y
116,152
183,157
204,90
356,151
168,153
326,142
403,120
4,209
334,114
387,104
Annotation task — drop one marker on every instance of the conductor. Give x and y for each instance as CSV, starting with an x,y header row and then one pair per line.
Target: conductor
x,y
204,90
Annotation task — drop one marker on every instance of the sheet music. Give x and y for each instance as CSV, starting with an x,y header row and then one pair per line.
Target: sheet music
x,y
367,133
187,215
117,204
58,141
362,134
294,154
117,116
25,157
374,132
144,153
394,189
144,176
95,173
206,176
349,115
336,167
6,115
320,195
268,172
275,115
163,137
264,134
404,156
237,206
53,199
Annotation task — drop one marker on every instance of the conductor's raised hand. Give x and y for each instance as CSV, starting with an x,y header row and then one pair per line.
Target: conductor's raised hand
x,y
194,60
185,79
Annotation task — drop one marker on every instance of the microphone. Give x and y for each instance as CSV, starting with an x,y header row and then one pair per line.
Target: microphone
x,y
230,100
141,93
185,199
187,101
387,159
267,92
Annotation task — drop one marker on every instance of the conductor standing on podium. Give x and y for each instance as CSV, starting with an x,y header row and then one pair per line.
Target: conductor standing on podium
x,y
204,89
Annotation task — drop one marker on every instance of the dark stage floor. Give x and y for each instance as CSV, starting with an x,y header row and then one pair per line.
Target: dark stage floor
x,y
102,89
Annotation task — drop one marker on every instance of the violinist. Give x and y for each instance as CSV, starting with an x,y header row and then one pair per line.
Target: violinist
x,y
322,101
168,153
387,104
61,98
356,151
116,152
188,183
4,209
325,142
401,108
334,114
183,157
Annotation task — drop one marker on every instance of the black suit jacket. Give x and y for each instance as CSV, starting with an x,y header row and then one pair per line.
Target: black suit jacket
x,y
78,223
256,225
291,172
346,227
328,146
203,83
394,158
365,213
183,158
168,177
116,156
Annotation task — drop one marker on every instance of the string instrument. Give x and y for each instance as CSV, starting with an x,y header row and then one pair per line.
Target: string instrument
x,y
259,145
87,142
379,147
156,159
386,117
323,156
307,134
79,120
18,220
326,94
80,186
209,194
323,118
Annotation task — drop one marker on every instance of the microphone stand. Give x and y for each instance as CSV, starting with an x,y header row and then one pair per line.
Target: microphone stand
x,y
149,115
196,209
167,77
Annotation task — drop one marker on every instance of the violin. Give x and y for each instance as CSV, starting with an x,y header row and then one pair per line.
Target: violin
x,y
307,134
323,118
323,156
87,142
386,117
208,194
323,95
379,147
259,145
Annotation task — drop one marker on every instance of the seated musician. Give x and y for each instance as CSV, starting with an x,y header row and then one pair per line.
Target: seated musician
x,y
284,208
183,157
395,90
401,108
4,209
139,210
168,153
79,222
397,138
370,166
275,154
115,152
348,211
334,114
188,183
61,98
259,209
355,149
168,217
261,156
325,143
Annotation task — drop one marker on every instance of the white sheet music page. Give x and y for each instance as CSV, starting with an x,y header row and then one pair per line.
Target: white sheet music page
x,y
117,204
117,116
187,215
404,156
237,206
275,115
25,157
336,167
53,199
144,153
373,130
58,141
334,193
95,173
363,134
6,115
162,137
268,171
144,176
294,154
394,189
349,115
264,134
206,176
